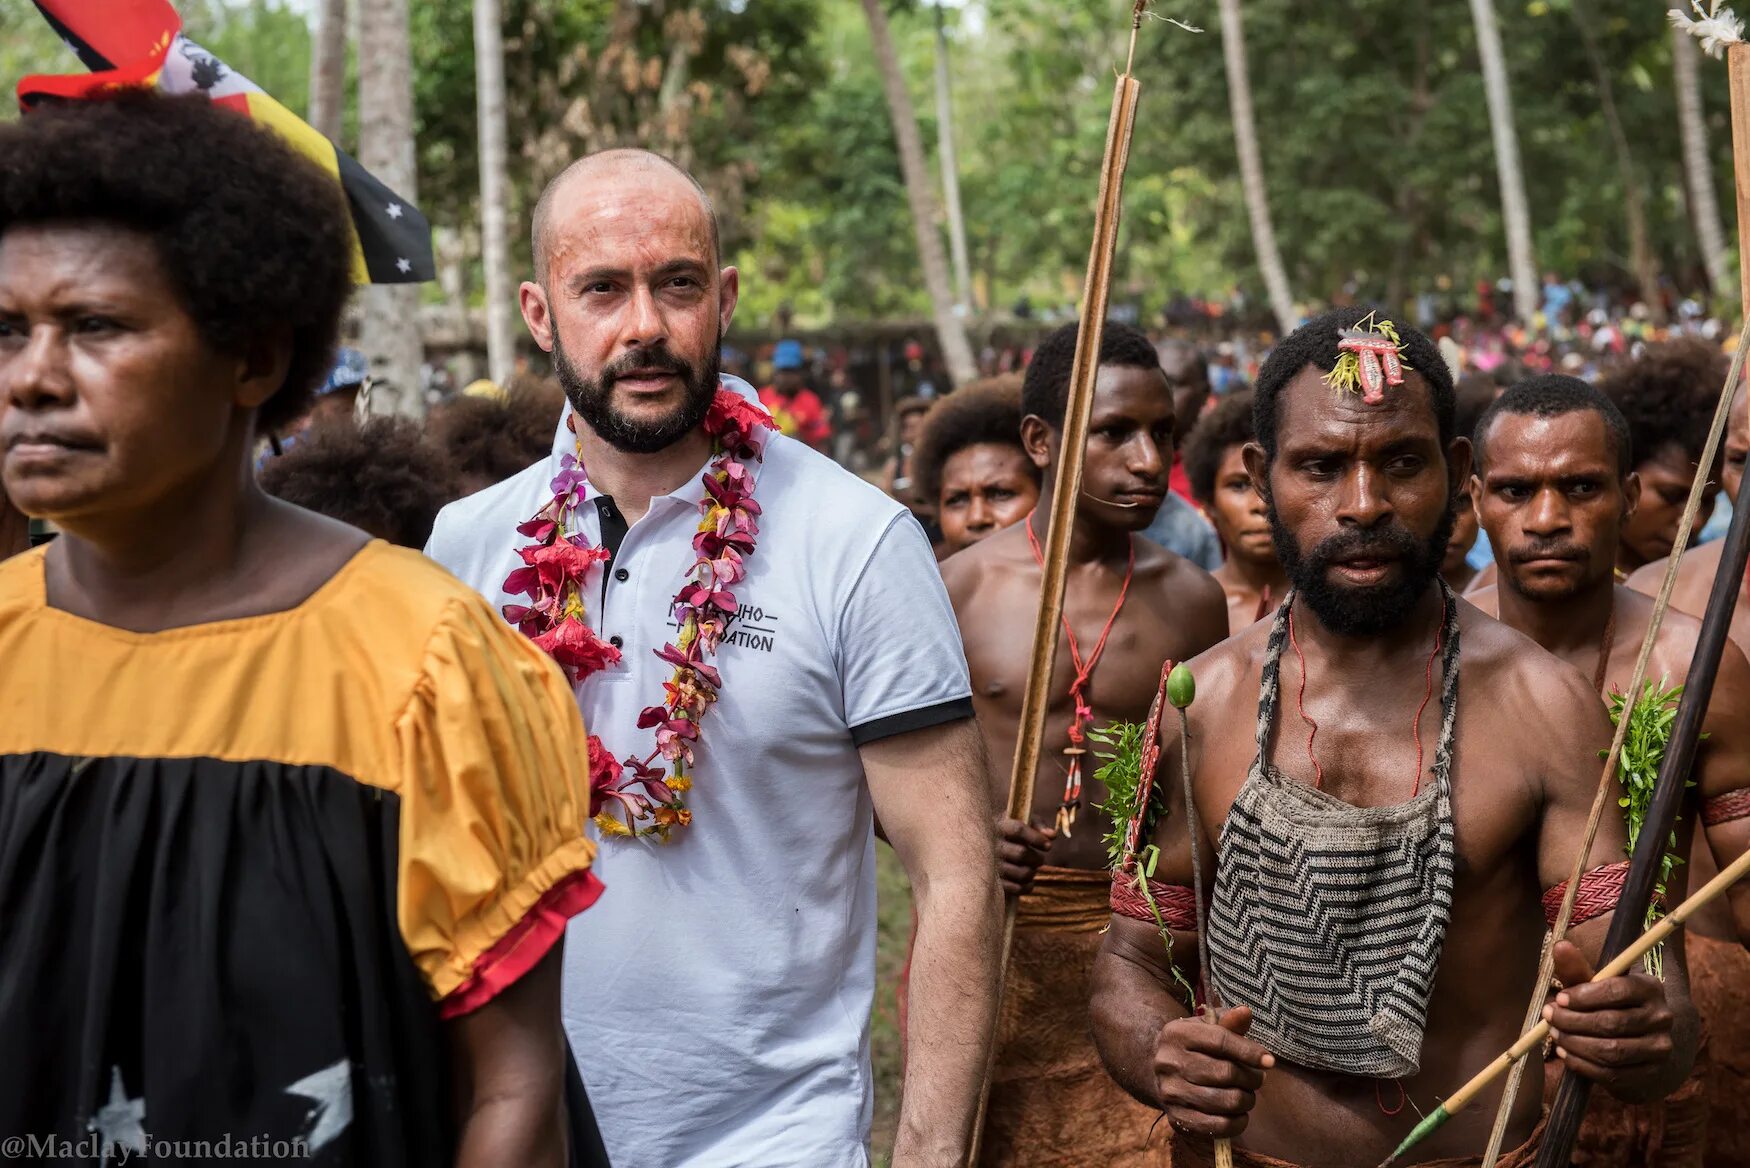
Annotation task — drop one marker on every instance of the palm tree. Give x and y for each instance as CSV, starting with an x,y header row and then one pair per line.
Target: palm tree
x,y
389,324
1641,257
494,191
956,350
1704,204
1515,207
328,70
951,169
1239,98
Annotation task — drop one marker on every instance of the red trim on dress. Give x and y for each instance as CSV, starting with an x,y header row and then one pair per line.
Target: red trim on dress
x,y
1178,904
521,949
1725,808
1600,889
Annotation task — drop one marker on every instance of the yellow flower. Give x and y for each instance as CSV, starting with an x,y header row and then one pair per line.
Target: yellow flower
x,y
611,826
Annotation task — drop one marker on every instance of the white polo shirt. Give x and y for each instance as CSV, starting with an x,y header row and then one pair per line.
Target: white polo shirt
x,y
717,997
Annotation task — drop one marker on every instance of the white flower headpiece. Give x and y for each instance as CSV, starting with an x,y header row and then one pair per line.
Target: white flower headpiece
x,y
1713,26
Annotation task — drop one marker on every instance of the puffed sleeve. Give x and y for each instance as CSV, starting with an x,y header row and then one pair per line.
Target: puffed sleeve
x,y
494,795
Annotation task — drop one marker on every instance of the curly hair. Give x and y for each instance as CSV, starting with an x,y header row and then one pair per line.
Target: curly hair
x,y
381,476
1045,391
253,236
1228,424
489,439
1667,396
1551,395
1315,343
985,411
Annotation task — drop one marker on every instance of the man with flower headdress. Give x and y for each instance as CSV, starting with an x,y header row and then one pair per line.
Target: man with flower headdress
x,y
1373,913
764,650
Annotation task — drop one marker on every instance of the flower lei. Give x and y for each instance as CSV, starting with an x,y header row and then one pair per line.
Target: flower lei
x,y
553,576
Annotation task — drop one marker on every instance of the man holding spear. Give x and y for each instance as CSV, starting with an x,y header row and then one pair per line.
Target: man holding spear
x,y
1129,604
1374,910
1554,484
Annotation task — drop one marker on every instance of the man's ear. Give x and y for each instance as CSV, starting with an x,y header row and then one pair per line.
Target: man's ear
x,y
262,371
1258,467
1458,463
728,295
537,313
1039,440
1631,494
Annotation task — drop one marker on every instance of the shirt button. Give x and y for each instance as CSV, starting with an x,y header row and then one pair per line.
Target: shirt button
x,y
622,575
617,642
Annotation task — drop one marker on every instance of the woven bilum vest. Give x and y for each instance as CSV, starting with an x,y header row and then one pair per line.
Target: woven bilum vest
x,y
1328,919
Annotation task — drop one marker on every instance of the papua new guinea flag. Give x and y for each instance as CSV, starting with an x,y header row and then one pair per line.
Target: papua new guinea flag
x,y
140,42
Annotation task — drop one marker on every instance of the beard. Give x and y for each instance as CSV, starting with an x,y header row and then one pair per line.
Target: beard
x,y
593,398
1366,611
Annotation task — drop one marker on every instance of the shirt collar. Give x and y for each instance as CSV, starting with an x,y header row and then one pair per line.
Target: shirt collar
x,y
690,492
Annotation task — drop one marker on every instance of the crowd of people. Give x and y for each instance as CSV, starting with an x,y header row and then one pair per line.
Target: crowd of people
x,y
506,789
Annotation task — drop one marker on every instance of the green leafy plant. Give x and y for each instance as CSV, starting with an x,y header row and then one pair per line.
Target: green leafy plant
x,y
1119,749
1121,773
1637,769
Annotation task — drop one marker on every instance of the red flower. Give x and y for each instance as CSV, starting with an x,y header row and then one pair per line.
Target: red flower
x,y
736,423
574,645
604,775
693,661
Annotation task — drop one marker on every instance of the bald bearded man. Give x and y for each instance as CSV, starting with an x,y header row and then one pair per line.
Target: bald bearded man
x,y
763,643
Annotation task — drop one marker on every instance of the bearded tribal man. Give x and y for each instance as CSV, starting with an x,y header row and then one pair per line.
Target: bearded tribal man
x,y
290,823
1251,576
1553,476
1374,916
764,647
1128,605
970,463
1696,571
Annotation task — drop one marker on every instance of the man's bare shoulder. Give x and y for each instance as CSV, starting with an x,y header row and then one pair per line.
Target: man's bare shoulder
x,y
1518,679
1228,673
1179,583
1695,570
1488,599
966,571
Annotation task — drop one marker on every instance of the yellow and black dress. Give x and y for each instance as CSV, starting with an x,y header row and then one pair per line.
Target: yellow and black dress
x,y
247,868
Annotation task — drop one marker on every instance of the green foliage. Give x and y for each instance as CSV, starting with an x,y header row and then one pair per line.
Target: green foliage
x,y
1120,773
1643,750
1372,121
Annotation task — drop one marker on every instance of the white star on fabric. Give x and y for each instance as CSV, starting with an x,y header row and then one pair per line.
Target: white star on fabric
x,y
120,1122
394,210
404,265
330,1089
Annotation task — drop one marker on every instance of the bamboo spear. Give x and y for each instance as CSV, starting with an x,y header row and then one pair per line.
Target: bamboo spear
x,y
1067,484
1616,967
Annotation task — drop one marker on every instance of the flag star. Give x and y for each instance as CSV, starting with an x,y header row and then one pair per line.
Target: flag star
x,y
120,1122
404,265
394,210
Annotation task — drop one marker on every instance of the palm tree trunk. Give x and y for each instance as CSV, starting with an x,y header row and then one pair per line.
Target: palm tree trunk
x,y
328,70
1239,97
1515,207
1704,203
951,170
389,325
956,350
494,191
1641,257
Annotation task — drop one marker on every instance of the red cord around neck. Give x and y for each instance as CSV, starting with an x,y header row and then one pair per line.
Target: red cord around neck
x,y
1415,727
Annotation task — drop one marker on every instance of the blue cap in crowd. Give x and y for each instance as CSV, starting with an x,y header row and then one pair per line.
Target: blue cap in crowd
x,y
788,355
350,371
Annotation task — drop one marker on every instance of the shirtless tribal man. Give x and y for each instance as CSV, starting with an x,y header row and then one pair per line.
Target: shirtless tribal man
x,y
1554,487
1128,606
1695,575
1424,881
